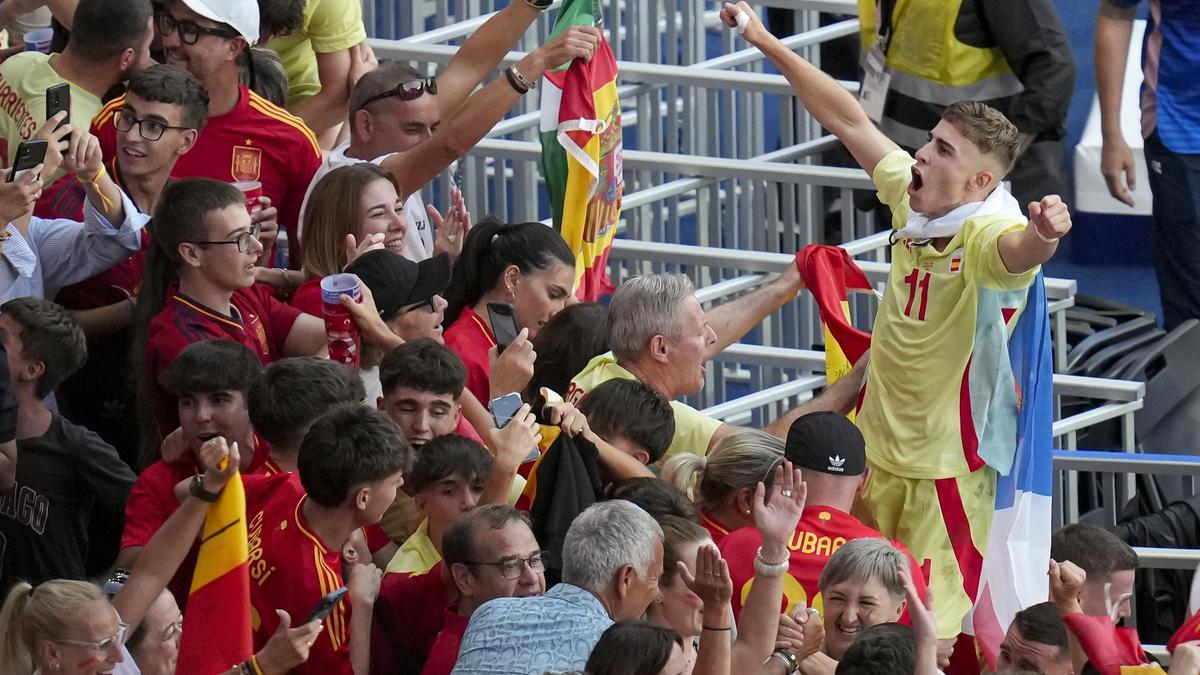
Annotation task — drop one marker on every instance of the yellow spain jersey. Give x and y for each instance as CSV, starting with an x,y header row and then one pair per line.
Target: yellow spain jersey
x,y
693,429
940,399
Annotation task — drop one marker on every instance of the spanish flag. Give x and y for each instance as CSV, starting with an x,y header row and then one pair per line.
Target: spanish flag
x,y
218,634
828,271
581,153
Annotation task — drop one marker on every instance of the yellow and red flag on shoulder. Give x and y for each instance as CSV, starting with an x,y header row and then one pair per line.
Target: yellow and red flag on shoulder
x,y
581,153
828,272
218,634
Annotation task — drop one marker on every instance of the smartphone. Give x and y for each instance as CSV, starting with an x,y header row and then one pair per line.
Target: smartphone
x,y
326,606
504,325
29,154
504,407
58,99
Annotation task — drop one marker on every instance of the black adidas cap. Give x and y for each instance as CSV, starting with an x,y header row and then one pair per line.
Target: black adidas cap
x,y
826,442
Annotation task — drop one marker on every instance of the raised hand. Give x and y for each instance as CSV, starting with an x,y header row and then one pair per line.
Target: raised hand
x,y
371,242
288,647
924,623
363,585
220,462
18,197
451,229
268,227
711,582
512,370
576,42
776,518
1050,217
568,418
742,17
1066,583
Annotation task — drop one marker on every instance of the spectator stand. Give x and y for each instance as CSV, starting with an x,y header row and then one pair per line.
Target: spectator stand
x,y
724,181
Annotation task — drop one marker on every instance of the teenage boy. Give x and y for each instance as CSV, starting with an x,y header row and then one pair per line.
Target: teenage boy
x,y
289,396
165,109
247,137
200,285
209,380
64,473
939,387
351,465
631,417
446,481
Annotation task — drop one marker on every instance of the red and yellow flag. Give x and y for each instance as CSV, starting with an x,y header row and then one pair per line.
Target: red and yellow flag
x,y
581,153
218,634
828,271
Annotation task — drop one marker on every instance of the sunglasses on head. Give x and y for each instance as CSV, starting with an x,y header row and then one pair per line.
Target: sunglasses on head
x,y
405,91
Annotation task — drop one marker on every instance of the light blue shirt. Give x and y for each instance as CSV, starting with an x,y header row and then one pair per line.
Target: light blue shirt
x,y
531,636
59,252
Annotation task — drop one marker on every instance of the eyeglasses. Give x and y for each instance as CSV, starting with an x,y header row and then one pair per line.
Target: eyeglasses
x,y
242,240
189,31
424,304
150,129
512,568
405,91
103,645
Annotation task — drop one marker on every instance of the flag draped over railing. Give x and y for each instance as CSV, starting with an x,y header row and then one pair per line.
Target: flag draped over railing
x,y
581,153
218,634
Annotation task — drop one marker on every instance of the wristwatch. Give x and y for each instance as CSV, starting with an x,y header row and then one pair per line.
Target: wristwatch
x,y
539,5
196,489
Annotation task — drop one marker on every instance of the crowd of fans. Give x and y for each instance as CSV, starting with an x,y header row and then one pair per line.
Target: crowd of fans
x,y
602,526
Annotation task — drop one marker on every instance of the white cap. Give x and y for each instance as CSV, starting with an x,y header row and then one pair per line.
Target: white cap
x,y
241,14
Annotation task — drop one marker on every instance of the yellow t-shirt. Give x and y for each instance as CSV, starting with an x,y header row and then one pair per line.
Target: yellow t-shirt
x,y
693,429
940,399
328,26
24,79
417,554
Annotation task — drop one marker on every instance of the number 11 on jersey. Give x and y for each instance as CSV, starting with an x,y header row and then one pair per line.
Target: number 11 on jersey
x,y
917,280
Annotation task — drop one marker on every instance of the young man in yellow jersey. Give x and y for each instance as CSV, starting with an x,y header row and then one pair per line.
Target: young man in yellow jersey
x,y
939,413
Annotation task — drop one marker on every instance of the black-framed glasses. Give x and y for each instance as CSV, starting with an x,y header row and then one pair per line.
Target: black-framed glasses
x,y
150,129
405,91
189,31
242,240
104,645
427,305
513,567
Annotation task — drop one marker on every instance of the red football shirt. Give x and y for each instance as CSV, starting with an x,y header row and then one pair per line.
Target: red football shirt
x,y
260,322
257,140
444,653
307,297
292,569
470,338
716,530
821,532
408,616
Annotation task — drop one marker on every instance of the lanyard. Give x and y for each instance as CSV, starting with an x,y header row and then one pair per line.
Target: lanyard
x,y
883,22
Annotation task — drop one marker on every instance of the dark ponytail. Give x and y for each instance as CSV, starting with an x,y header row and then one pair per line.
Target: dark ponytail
x,y
490,247
180,217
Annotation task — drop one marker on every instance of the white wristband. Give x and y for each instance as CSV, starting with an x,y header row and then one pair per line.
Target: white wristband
x,y
766,568
1043,237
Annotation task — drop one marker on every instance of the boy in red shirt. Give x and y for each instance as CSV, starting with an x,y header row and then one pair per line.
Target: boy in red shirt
x,y
199,285
247,138
351,465
210,380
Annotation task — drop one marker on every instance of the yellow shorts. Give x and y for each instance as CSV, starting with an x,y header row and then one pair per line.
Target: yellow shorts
x,y
945,522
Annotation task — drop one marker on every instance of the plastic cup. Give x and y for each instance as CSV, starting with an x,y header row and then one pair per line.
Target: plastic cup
x,y
253,190
39,40
341,333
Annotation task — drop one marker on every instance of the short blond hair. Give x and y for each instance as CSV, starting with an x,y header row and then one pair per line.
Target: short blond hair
x,y
988,129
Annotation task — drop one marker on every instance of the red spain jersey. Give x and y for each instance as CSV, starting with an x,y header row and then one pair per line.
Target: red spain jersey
x,y
408,616
821,532
292,569
716,530
257,140
259,321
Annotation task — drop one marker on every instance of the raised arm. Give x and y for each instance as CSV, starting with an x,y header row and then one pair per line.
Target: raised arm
x,y
480,54
831,105
461,130
1114,26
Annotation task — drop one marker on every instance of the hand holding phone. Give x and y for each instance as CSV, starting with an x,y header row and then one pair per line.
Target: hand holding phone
x,y
58,99
517,433
30,155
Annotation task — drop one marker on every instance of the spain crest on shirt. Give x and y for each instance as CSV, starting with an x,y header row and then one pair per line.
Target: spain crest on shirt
x,y
956,261
246,163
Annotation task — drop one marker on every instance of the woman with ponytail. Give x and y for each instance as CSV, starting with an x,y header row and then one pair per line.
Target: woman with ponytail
x,y
525,265
61,626
722,482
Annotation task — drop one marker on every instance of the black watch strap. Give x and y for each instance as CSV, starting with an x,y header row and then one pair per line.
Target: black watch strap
x,y
196,489
540,4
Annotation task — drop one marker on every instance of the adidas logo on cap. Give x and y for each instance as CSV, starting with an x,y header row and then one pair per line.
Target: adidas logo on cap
x,y
835,464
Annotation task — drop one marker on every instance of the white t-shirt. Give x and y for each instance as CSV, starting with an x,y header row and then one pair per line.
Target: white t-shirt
x,y
418,241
